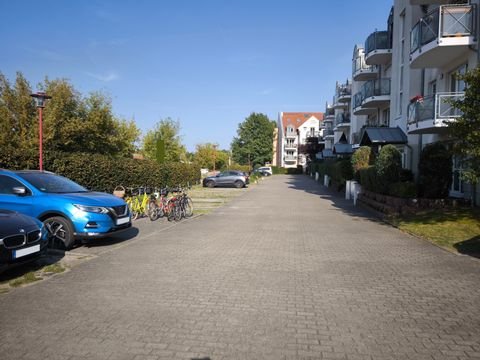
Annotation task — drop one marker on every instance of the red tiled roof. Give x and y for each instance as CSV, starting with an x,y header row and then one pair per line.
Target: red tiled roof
x,y
296,119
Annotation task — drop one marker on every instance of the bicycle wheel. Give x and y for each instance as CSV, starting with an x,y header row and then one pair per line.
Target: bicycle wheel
x,y
188,205
152,210
171,206
178,211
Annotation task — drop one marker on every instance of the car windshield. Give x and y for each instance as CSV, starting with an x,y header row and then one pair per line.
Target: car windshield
x,y
51,183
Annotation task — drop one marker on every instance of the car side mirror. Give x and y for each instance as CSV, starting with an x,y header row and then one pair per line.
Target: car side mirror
x,y
19,190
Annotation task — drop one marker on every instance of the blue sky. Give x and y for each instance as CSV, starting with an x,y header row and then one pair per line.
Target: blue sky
x,y
207,63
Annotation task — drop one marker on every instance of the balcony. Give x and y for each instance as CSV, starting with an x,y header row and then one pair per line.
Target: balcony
x,y
361,71
358,109
442,36
328,134
342,120
329,115
433,113
376,93
428,2
338,104
378,48
290,158
290,146
344,93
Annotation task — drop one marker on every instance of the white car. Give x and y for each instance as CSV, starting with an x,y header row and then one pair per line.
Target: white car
x,y
266,169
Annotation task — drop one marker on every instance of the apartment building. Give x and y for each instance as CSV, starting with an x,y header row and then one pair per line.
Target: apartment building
x,y
404,76
296,131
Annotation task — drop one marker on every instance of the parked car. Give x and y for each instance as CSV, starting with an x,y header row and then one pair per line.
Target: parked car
x,y
22,239
68,210
227,178
266,170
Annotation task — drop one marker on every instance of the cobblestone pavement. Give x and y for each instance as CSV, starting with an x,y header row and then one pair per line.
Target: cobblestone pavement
x,y
285,271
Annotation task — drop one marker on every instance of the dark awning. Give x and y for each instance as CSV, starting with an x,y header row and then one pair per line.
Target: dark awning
x,y
341,149
326,153
383,136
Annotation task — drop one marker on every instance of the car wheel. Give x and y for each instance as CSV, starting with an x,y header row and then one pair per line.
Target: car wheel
x,y
210,184
60,233
239,184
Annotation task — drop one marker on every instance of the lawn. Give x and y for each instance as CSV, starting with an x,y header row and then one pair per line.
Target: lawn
x,y
457,230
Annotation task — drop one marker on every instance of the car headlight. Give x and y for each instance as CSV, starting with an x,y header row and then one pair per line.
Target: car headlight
x,y
92,209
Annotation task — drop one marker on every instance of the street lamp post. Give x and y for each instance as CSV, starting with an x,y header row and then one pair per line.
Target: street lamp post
x,y
40,98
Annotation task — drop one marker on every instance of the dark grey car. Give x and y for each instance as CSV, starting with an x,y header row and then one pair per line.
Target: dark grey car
x,y
227,178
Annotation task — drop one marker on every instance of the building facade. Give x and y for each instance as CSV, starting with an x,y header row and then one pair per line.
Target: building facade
x,y
295,131
404,77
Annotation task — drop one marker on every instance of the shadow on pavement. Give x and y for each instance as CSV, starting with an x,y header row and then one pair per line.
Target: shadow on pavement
x,y
117,239
14,272
469,247
309,185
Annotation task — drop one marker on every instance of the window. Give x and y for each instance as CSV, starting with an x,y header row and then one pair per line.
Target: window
x,y
7,184
386,117
457,85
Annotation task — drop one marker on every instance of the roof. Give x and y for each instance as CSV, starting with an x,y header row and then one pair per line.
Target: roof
x,y
340,149
296,119
383,136
326,153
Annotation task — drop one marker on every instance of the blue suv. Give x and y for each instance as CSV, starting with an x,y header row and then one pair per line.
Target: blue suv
x,y
68,210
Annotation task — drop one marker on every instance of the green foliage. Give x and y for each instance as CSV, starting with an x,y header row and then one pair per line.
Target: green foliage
x,y
368,178
167,130
70,122
362,158
206,154
466,128
254,142
406,189
276,170
435,171
104,172
388,167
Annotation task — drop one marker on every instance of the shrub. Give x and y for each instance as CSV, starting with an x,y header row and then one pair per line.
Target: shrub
x,y
388,166
406,189
362,158
435,171
104,173
406,175
276,170
368,178
295,171
341,172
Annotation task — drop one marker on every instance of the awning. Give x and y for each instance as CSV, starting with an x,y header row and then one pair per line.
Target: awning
x,y
342,149
327,153
383,136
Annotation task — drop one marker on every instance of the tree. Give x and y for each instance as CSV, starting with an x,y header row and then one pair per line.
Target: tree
x,y
168,131
206,154
254,142
466,129
18,116
71,123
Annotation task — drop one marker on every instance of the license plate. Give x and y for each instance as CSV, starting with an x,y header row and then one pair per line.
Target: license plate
x,y
123,220
27,251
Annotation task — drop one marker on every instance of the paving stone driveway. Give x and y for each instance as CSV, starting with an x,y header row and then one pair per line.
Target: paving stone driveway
x,y
286,271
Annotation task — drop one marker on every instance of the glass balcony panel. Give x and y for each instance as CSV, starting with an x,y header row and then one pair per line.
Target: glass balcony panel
x,y
378,40
457,20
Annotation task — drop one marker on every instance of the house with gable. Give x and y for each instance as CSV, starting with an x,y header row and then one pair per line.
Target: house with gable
x,y
296,131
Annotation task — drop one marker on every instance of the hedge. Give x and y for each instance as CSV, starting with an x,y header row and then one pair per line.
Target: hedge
x,y
104,173
435,171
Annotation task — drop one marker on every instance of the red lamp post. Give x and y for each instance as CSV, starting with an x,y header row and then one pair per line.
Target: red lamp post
x,y
40,98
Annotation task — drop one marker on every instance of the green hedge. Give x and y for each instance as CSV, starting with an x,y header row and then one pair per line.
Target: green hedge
x,y
104,173
277,170
407,189
435,171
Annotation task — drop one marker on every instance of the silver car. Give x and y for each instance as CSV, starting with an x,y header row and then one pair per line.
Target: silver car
x,y
227,178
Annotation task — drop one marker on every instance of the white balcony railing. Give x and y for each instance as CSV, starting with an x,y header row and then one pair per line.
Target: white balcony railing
x,y
432,112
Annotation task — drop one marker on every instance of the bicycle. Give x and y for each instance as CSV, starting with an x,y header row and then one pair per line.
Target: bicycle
x,y
137,202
